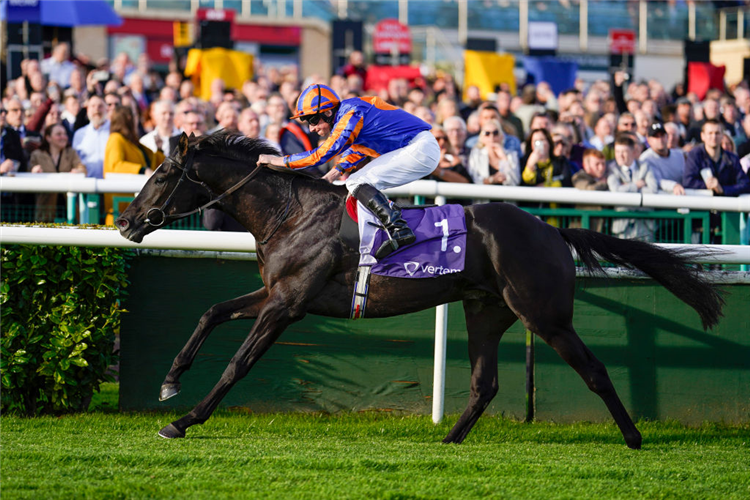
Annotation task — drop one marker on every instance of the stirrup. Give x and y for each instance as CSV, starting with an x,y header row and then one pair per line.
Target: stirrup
x,y
388,247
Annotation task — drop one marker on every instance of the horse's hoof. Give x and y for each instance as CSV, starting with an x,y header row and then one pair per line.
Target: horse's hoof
x,y
634,443
169,391
171,432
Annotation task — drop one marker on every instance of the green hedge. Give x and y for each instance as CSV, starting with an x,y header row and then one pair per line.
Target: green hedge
x,y
60,315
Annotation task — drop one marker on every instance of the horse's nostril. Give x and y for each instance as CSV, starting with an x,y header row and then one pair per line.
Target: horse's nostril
x,y
122,223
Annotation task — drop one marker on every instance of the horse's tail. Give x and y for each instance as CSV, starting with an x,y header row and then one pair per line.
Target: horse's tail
x,y
669,267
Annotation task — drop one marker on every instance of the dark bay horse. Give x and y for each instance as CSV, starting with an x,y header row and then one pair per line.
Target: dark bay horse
x,y
517,267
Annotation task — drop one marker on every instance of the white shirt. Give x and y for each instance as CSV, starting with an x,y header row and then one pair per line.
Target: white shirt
x,y
149,140
90,144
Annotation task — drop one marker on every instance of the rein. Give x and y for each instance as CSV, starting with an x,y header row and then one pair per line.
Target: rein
x,y
164,218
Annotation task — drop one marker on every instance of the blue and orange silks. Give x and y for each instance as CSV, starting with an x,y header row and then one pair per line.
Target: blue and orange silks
x,y
362,127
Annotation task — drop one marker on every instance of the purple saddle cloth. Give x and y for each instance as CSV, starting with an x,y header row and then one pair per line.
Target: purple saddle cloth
x,y
440,247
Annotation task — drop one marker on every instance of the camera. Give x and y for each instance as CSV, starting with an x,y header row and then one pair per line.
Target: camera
x,y
538,144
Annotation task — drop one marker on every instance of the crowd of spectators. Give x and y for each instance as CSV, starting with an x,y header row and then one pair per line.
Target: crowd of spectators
x,y
610,135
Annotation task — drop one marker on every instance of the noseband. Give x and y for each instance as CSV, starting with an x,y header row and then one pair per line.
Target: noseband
x,y
156,217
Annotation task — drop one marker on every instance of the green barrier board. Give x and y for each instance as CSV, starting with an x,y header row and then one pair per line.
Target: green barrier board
x,y
661,362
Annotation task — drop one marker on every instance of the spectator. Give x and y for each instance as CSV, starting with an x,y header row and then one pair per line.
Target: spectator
x,y
292,138
181,109
684,117
53,156
70,113
730,116
57,67
12,159
628,175
744,148
562,145
489,162
488,112
162,112
425,114
193,124
541,167
249,124
226,117
673,135
727,143
472,102
355,66
626,123
90,141
450,168
602,133
503,107
668,165
455,129
710,167
11,152
125,155
541,120
592,177
710,111
14,117
643,123
111,101
445,108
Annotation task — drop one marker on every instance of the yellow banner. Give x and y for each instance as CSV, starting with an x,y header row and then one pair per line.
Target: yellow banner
x,y
204,66
182,34
487,70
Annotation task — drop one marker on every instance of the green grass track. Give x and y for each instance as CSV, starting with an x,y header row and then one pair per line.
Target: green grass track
x,y
103,454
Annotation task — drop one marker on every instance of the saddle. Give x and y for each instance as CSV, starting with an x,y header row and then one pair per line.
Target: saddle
x,y
438,250
440,232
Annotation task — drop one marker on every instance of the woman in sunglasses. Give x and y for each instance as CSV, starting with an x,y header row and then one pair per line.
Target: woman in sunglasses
x,y
401,144
489,162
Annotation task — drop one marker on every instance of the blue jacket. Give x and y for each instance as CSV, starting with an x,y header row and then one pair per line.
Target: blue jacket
x,y
363,127
727,170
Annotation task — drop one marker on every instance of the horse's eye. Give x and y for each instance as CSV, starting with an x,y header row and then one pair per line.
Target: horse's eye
x,y
159,180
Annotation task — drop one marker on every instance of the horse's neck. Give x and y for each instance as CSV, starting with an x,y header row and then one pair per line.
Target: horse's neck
x,y
263,201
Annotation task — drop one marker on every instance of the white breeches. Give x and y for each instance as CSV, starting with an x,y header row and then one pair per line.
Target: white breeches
x,y
414,161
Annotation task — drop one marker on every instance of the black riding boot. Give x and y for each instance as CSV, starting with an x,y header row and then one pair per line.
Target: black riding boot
x,y
389,215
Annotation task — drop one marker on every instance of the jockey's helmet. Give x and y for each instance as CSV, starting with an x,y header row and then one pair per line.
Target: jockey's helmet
x,y
315,99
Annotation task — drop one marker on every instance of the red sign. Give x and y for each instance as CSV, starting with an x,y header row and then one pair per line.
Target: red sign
x,y
215,15
390,33
621,41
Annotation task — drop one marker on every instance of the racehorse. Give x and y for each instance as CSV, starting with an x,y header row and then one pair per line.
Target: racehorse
x,y
516,267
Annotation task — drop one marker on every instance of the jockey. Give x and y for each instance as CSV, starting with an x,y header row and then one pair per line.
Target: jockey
x,y
402,146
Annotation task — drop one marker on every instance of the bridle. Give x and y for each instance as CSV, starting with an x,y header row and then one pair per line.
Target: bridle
x,y
156,217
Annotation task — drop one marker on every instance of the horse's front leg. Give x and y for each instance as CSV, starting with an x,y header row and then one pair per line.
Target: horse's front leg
x,y
245,307
276,315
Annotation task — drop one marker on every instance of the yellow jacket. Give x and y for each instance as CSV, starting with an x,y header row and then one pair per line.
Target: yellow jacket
x,y
123,157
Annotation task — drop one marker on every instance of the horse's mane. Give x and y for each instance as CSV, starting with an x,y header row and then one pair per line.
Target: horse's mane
x,y
237,146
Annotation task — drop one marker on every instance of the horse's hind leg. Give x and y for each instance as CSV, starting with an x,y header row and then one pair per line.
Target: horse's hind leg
x,y
572,349
486,322
245,307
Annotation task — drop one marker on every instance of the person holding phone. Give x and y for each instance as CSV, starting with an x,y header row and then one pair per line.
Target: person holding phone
x,y
709,166
541,167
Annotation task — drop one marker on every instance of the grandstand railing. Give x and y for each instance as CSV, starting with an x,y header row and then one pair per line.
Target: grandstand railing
x,y
679,219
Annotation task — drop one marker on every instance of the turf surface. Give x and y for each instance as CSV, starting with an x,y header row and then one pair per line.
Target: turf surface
x,y
236,454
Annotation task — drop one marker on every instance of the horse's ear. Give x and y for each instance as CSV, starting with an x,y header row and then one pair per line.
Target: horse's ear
x,y
192,136
182,147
